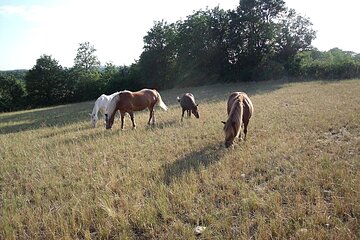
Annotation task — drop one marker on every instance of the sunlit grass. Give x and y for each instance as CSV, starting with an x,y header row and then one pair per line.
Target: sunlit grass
x,y
296,177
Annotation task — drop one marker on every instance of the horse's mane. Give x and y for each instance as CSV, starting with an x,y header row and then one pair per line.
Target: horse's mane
x,y
114,94
235,116
112,104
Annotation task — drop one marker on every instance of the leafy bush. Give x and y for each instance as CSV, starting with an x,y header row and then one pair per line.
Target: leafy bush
x,y
12,93
332,64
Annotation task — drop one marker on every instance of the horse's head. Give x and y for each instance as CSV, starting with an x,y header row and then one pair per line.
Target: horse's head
x,y
108,121
93,119
230,133
195,111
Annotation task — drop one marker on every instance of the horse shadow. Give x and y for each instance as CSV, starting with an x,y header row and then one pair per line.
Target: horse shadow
x,y
162,125
193,161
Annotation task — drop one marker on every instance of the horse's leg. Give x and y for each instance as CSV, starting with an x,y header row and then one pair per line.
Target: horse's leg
x,y
150,116
153,117
132,119
182,115
189,113
246,122
239,137
122,115
119,115
102,112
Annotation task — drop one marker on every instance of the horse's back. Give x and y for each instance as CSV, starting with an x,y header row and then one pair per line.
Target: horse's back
x,y
187,101
190,95
232,98
104,100
248,106
146,95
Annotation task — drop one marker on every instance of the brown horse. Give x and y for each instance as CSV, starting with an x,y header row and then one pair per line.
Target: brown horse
x,y
129,102
187,103
240,110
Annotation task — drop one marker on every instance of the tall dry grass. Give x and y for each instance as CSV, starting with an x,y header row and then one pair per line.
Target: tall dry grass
x,y
296,177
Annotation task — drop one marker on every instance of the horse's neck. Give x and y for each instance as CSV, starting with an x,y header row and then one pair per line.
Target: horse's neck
x,y
97,107
108,99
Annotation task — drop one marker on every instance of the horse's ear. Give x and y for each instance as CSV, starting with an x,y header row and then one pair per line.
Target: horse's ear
x,y
90,114
223,122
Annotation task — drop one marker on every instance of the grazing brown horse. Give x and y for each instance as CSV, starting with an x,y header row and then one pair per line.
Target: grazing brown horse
x,y
240,110
187,103
129,102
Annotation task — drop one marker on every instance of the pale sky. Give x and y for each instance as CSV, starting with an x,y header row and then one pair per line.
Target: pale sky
x,y
31,28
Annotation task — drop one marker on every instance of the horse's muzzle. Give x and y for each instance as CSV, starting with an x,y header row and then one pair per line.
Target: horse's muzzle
x,y
228,144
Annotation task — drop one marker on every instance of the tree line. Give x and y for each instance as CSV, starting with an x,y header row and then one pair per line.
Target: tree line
x,y
259,40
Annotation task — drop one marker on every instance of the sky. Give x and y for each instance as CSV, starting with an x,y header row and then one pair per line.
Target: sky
x,y
31,28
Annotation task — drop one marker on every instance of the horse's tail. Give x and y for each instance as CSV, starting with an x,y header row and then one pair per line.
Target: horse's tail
x,y
160,102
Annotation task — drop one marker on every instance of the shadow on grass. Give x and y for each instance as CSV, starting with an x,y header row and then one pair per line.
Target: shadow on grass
x,y
162,124
44,117
56,133
193,161
220,92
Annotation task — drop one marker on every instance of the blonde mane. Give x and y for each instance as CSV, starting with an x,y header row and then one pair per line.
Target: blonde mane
x,y
112,105
232,126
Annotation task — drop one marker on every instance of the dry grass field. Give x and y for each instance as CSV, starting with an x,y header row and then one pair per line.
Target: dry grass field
x,y
296,177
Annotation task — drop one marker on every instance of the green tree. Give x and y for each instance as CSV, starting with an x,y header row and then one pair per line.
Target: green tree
x,y
12,93
88,85
252,35
86,59
109,73
86,73
257,40
45,82
202,44
116,78
159,56
294,34
132,75
332,64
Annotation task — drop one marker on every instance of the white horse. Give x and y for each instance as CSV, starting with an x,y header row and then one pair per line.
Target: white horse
x,y
100,105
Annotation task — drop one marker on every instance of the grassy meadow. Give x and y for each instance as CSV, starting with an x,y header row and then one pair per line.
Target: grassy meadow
x,y
296,177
